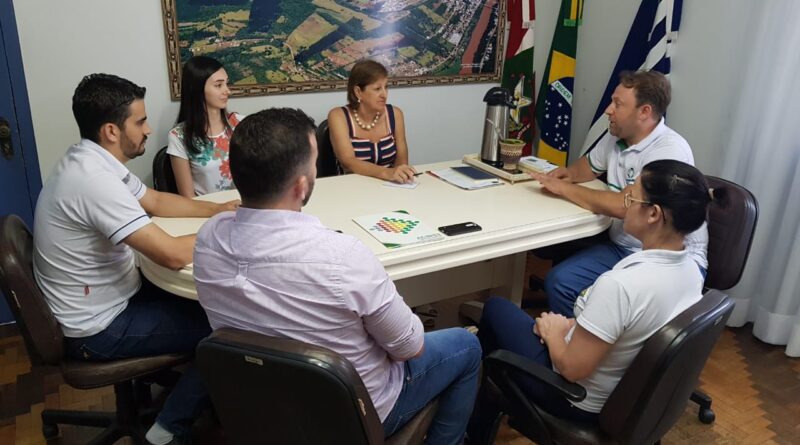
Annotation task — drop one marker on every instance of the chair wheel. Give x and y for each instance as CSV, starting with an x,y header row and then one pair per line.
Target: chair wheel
x,y
49,431
706,416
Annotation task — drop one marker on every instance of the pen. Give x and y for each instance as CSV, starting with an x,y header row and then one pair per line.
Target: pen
x,y
419,173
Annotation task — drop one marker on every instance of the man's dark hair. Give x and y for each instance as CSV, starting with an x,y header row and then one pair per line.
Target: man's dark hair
x,y
100,99
651,87
682,192
268,149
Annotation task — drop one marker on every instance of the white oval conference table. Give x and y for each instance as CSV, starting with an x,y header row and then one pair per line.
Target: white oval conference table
x,y
514,219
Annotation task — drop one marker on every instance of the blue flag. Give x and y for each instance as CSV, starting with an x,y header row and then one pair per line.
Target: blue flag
x,y
647,47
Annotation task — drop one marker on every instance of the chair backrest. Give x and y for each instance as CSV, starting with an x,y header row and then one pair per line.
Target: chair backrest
x,y
326,158
163,176
275,390
652,394
40,330
730,234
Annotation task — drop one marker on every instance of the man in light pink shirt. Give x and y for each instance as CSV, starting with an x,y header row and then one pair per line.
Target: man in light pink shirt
x,y
271,269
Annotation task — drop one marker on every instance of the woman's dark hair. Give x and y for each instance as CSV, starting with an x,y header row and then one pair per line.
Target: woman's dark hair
x,y
682,192
363,73
193,100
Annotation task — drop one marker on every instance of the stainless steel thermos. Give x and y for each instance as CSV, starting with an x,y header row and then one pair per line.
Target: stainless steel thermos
x,y
499,102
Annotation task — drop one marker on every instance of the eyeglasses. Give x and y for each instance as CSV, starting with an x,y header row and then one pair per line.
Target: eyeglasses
x,y
630,199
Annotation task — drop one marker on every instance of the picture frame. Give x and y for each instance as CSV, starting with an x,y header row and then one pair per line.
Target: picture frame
x,y
299,46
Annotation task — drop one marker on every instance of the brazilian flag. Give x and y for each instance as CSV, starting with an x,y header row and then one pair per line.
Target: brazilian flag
x,y
554,103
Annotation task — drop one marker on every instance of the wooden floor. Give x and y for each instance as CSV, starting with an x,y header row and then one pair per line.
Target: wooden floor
x,y
756,391
755,388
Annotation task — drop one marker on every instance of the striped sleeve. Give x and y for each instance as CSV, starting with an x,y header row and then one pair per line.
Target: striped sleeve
x,y
598,158
112,207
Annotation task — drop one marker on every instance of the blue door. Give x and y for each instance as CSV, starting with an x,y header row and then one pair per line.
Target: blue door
x,y
20,180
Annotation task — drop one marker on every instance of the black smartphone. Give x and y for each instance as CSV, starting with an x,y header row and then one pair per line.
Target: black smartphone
x,y
458,229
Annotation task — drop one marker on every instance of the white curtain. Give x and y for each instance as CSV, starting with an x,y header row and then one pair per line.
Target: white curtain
x,y
763,154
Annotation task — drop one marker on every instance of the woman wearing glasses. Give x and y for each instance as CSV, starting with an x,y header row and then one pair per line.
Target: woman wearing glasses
x,y
624,306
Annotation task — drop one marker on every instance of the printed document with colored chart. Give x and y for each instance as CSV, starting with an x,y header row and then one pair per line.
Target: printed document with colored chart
x,y
397,229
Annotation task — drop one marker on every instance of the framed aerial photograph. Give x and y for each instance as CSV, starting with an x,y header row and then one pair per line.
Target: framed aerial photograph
x,y
292,46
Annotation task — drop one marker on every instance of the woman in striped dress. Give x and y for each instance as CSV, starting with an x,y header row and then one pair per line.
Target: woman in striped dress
x,y
368,135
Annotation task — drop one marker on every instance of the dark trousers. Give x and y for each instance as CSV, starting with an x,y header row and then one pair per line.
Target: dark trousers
x,y
155,322
503,325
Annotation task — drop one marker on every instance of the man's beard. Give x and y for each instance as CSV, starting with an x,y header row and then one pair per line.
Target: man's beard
x,y
129,148
613,129
310,190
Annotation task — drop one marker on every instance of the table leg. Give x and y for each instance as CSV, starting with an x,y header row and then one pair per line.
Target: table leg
x,y
509,277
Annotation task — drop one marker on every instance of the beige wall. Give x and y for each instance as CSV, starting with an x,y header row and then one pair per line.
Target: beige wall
x,y
62,41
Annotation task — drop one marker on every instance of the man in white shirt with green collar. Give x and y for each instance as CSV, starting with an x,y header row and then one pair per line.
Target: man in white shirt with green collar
x,y
636,136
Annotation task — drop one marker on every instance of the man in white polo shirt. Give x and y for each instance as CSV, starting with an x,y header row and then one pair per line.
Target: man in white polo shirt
x,y
89,215
636,136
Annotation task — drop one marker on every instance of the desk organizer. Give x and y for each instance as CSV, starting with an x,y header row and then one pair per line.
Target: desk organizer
x,y
510,176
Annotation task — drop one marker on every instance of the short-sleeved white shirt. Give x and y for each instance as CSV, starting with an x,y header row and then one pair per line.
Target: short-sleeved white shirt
x,y
623,164
210,166
627,305
89,204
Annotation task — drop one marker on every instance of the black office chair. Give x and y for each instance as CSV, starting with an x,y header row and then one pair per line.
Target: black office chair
x,y
45,344
275,390
163,176
730,235
326,158
646,403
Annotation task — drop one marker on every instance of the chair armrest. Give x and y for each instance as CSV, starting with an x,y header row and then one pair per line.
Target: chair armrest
x,y
508,360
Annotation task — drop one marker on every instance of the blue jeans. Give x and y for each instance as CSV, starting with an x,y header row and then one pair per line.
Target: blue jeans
x,y
569,278
447,369
155,322
503,325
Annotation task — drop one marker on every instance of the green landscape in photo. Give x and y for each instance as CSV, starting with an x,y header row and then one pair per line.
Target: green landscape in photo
x,y
293,41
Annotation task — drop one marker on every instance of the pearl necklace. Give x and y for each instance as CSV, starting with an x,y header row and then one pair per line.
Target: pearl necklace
x,y
366,126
